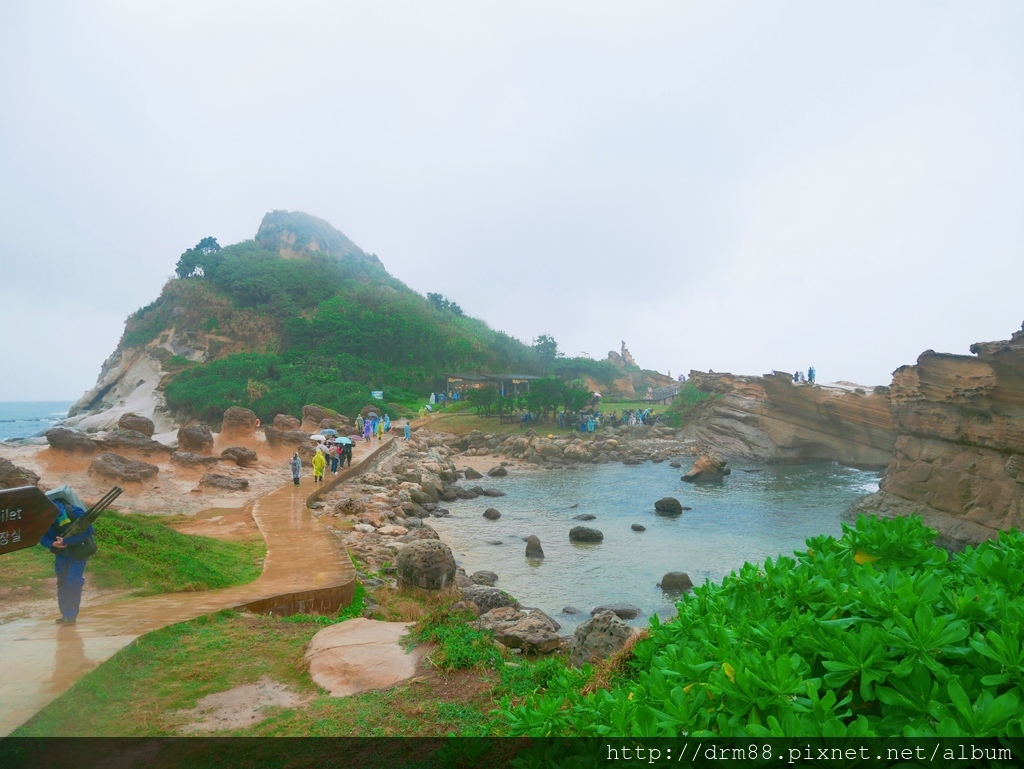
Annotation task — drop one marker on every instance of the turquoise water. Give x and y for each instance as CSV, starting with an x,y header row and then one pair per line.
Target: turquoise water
x,y
24,419
760,511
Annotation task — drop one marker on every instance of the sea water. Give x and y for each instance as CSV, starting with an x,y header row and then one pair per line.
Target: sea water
x,y
25,419
760,511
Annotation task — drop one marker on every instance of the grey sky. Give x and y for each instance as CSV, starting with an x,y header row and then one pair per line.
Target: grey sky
x,y
733,186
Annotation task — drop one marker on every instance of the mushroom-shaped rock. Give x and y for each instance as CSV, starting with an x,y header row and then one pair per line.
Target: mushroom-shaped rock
x,y
287,438
63,439
286,423
112,465
241,456
676,582
239,421
497,472
132,440
313,415
668,506
12,476
224,482
428,564
491,514
137,423
191,459
195,438
621,610
708,468
533,548
585,534
598,638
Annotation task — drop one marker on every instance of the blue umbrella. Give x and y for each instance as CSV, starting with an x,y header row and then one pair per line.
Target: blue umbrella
x,y
328,431
343,439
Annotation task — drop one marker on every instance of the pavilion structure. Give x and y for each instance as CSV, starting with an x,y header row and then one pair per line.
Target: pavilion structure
x,y
509,385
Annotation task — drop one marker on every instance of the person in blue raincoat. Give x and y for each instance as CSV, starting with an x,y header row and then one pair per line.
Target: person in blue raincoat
x,y
408,430
70,573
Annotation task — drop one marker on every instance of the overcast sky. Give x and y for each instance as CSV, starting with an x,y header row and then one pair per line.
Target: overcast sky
x,y
731,186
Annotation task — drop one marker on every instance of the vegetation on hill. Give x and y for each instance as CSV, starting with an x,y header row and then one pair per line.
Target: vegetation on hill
x,y
876,634
684,404
318,321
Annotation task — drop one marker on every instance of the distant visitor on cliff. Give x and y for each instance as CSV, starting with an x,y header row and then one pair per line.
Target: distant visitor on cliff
x,y
810,374
296,466
408,431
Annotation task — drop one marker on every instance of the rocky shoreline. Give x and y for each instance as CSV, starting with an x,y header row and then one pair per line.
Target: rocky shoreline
x,y
382,517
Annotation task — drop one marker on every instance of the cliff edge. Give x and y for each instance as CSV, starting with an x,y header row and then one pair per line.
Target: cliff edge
x,y
772,418
959,454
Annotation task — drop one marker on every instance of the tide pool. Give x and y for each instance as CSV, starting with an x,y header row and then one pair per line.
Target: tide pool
x,y
760,511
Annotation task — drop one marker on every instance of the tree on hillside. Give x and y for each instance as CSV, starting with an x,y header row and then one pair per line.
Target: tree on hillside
x,y
547,347
207,245
443,304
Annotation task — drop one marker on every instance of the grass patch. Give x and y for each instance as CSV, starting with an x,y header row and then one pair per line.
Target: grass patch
x,y
459,647
142,554
410,604
28,568
137,691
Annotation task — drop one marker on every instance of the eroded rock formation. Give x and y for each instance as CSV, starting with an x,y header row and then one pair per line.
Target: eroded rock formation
x,y
771,418
959,455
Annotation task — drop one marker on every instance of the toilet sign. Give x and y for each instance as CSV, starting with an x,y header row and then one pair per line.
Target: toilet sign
x,y
25,515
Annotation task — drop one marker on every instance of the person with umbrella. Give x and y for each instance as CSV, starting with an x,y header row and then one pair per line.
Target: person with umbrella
x,y
346,451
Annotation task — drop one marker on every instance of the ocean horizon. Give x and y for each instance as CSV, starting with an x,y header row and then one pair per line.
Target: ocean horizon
x,y
28,419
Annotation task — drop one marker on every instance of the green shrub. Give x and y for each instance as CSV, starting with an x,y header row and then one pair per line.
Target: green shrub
x,y
684,403
458,645
875,634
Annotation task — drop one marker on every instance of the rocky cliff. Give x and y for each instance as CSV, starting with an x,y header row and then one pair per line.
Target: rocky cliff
x,y
771,418
959,454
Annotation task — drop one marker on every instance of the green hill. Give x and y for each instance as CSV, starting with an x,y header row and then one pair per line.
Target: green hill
x,y
302,315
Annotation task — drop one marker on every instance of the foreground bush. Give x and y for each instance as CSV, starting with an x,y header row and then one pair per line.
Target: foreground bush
x,y
876,634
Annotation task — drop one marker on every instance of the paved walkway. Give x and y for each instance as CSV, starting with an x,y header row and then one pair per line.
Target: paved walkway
x,y
304,566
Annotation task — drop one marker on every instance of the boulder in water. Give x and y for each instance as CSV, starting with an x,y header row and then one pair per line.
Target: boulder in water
x,y
668,506
585,534
708,468
533,548
676,582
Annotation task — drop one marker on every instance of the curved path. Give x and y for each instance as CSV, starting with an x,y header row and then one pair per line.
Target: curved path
x,y
305,570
